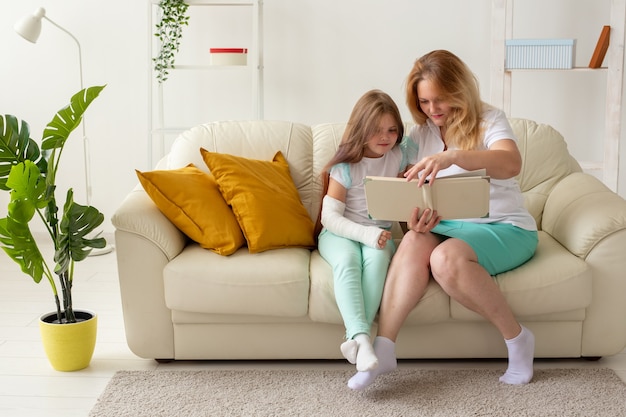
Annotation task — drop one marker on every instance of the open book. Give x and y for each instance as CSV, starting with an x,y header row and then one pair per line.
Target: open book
x,y
454,197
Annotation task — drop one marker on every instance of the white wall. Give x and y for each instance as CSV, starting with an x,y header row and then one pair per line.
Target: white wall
x,y
320,56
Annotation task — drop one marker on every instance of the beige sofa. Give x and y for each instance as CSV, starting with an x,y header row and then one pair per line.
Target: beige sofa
x,y
184,302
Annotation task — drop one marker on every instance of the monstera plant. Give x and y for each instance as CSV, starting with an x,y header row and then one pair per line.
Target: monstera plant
x,y
28,171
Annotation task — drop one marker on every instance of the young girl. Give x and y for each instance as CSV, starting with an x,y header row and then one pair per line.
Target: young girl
x,y
358,248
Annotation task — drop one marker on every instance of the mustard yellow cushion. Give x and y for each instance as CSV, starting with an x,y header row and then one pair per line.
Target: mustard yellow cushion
x,y
264,199
190,198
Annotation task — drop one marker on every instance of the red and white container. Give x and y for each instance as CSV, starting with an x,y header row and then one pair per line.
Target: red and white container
x,y
229,56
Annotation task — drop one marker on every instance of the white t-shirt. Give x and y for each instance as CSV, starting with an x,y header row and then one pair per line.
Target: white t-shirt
x,y
351,176
506,204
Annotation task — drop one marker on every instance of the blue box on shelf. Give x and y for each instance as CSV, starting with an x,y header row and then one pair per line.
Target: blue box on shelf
x,y
540,53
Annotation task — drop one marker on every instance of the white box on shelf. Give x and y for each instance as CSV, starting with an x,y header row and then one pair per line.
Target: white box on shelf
x,y
540,53
229,56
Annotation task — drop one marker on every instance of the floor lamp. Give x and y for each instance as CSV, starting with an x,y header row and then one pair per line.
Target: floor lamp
x,y
29,28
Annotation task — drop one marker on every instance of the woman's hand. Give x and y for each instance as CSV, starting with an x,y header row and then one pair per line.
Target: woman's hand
x,y
425,222
385,237
428,167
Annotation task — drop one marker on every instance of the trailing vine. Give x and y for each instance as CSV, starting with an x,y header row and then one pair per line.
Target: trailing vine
x,y
173,17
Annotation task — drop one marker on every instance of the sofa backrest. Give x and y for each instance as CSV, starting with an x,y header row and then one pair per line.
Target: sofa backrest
x,y
307,149
251,139
545,162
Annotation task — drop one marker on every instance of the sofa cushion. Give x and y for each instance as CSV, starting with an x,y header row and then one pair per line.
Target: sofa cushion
x,y
553,281
190,199
271,283
264,200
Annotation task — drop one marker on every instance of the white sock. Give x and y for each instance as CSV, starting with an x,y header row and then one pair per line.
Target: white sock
x,y
521,354
366,359
349,350
385,351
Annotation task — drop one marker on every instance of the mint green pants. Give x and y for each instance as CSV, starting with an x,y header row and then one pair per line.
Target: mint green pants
x,y
359,274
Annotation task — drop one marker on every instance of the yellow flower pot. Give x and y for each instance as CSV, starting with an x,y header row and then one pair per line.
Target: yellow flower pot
x,y
69,347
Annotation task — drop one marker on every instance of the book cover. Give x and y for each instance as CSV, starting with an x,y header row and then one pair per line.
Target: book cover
x,y
454,197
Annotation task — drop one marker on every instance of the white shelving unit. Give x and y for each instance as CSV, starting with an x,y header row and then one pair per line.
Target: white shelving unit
x,y
501,80
158,127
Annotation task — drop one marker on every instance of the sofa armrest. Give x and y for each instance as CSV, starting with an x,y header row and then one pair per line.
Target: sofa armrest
x,y
139,215
581,211
145,243
590,221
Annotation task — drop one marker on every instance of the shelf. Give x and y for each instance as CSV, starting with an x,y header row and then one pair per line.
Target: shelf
x,y
214,3
189,77
501,81
210,67
575,69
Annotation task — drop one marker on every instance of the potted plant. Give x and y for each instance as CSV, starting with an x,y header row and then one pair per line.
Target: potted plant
x,y
28,172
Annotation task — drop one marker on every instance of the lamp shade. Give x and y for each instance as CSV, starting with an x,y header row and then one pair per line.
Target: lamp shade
x,y
29,27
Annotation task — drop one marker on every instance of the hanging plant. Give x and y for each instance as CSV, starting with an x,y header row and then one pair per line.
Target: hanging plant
x,y
173,17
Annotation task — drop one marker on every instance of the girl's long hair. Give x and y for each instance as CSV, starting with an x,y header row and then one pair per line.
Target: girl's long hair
x,y
459,88
363,123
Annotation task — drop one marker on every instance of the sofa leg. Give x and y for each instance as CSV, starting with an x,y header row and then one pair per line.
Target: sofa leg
x,y
592,358
164,360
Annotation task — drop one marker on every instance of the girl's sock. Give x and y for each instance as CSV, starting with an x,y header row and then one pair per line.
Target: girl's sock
x,y
366,359
349,350
385,351
521,354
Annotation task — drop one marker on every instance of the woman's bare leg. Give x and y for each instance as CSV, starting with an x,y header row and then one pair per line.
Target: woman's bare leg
x,y
455,267
406,282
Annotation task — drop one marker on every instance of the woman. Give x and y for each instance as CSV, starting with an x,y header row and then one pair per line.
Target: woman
x,y
457,132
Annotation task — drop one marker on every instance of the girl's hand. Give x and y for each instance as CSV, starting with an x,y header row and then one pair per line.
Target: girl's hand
x,y
385,236
425,222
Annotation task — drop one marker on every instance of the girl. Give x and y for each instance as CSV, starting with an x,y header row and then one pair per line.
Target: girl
x,y
357,247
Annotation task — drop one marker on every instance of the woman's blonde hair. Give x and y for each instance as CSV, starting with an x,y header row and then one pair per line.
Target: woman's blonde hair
x,y
459,89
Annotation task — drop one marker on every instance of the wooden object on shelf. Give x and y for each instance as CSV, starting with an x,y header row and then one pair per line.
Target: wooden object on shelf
x,y
601,47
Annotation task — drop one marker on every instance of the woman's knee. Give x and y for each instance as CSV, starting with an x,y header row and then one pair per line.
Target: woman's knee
x,y
448,260
416,246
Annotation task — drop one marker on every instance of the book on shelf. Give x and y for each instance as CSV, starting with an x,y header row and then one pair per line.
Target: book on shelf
x,y
601,47
453,197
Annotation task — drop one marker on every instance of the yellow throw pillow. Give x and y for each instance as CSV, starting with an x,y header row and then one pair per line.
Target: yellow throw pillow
x,y
190,198
264,199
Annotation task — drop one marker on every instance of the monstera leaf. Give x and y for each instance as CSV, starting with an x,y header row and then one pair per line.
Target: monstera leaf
x,y
68,118
73,245
27,196
16,146
19,244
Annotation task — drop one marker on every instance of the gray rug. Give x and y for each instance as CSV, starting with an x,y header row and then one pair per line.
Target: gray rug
x,y
405,392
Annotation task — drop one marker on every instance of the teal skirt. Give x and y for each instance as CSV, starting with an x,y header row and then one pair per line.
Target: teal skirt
x,y
499,246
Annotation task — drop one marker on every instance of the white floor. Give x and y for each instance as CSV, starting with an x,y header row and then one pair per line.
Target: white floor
x,y
30,387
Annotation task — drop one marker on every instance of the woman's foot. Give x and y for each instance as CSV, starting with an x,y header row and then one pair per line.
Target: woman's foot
x,y
521,354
